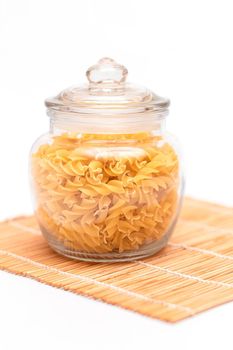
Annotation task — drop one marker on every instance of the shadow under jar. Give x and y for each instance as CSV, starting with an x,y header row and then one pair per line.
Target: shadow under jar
x,y
106,180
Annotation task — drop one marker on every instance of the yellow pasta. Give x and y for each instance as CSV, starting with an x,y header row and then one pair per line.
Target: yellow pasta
x,y
105,193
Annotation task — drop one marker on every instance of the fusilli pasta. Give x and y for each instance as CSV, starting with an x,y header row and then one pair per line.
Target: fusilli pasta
x,y
105,193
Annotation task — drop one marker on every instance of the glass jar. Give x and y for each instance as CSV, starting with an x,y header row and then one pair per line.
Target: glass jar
x,y
106,179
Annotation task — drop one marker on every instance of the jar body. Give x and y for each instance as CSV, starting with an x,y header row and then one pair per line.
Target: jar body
x,y
106,196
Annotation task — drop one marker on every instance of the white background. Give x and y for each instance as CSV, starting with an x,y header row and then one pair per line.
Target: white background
x,y
179,49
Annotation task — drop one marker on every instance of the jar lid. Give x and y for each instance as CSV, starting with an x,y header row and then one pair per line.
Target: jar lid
x,y
107,92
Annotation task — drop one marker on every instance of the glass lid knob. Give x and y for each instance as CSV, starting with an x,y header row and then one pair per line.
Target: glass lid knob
x,y
106,72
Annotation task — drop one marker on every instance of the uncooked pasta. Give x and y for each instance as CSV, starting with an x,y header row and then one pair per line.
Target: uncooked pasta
x,y
105,193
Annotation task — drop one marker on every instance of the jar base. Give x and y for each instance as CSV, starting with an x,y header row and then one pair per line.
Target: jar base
x,y
143,252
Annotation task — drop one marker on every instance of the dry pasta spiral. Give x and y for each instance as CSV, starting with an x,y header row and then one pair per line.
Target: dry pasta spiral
x,y
105,193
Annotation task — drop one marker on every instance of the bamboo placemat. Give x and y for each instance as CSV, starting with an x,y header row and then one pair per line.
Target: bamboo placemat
x,y
192,274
